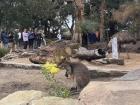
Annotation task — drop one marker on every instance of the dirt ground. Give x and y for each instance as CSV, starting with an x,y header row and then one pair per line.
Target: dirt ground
x,y
131,63
12,80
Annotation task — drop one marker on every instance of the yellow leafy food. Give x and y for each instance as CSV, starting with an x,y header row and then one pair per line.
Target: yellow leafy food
x,y
51,67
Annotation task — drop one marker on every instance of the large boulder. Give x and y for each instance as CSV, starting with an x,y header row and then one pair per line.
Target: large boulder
x,y
21,97
54,101
35,98
111,93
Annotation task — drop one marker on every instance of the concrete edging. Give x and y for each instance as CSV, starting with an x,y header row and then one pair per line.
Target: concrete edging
x,y
20,65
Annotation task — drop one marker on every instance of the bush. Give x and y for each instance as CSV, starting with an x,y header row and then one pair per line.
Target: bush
x,y
56,89
62,92
3,52
89,26
59,90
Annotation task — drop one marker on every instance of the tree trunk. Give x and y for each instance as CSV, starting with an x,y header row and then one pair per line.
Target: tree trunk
x,y
79,17
102,20
45,30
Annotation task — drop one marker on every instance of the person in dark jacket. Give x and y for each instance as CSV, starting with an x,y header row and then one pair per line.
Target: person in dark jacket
x,y
39,39
31,38
11,42
4,39
16,38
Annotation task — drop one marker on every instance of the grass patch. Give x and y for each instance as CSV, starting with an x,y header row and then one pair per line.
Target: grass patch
x,y
3,52
56,89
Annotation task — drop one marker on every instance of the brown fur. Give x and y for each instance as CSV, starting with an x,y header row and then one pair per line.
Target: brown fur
x,y
78,72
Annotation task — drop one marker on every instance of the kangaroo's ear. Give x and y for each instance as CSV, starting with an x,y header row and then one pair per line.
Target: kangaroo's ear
x,y
66,59
63,61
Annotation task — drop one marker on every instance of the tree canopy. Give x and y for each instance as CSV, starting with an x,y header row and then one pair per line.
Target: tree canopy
x,y
51,15
34,13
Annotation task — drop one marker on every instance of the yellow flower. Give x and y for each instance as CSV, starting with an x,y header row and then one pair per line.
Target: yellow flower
x,y
51,67
54,70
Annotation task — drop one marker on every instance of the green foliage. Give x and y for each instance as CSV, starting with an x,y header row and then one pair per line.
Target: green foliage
x,y
14,12
47,74
56,88
60,91
134,28
87,9
3,52
66,10
93,10
89,26
114,4
34,13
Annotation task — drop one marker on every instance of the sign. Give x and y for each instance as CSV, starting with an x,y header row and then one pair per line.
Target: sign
x,y
114,48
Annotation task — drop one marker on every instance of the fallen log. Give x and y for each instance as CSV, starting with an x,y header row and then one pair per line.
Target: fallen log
x,y
85,54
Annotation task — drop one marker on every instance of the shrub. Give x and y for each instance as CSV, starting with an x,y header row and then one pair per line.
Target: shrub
x,y
89,26
3,52
60,91
56,89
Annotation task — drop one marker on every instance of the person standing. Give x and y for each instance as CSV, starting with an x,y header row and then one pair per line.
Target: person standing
x,y
4,39
31,38
20,39
16,39
39,38
35,40
11,42
25,38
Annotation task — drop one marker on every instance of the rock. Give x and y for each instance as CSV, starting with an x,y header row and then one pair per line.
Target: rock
x,y
119,61
38,59
130,76
54,101
111,93
9,56
35,98
21,97
26,54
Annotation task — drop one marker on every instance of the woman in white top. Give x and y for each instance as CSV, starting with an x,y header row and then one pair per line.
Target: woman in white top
x,y
25,38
